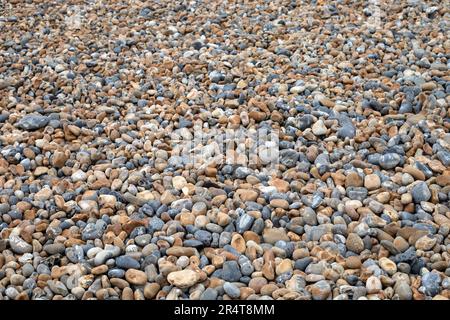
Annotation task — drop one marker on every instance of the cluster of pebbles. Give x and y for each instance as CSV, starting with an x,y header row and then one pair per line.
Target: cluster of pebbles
x,y
96,201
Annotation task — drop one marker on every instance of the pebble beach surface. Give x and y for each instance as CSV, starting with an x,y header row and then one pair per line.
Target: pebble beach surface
x,y
97,200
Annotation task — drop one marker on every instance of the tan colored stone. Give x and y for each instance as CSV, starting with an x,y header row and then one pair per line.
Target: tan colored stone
x,y
353,179
279,203
425,243
238,242
372,182
184,278
272,235
179,182
284,266
151,290
181,251
416,173
247,194
281,185
353,262
187,218
136,277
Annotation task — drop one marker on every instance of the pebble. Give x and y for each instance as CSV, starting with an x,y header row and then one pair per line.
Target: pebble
x,y
127,262
184,278
355,243
273,235
373,284
136,277
319,128
320,290
33,122
372,182
403,290
425,243
389,160
431,282
54,248
19,246
230,271
420,192
231,290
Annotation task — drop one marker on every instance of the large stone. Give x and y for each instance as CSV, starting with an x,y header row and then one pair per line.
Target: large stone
x,y
273,235
184,278
420,192
19,246
230,271
372,182
33,122
136,277
373,285
321,290
425,243
354,243
181,251
389,160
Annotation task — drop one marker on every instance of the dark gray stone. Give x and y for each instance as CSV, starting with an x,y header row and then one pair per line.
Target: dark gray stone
x,y
33,122
127,262
230,271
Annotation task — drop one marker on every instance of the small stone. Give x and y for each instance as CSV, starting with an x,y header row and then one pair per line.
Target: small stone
x,y
284,267
43,195
353,180
257,283
230,271
326,102
429,86
199,208
238,242
209,294
353,262
416,173
54,248
181,251
400,244
279,203
59,159
79,175
347,131
58,287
